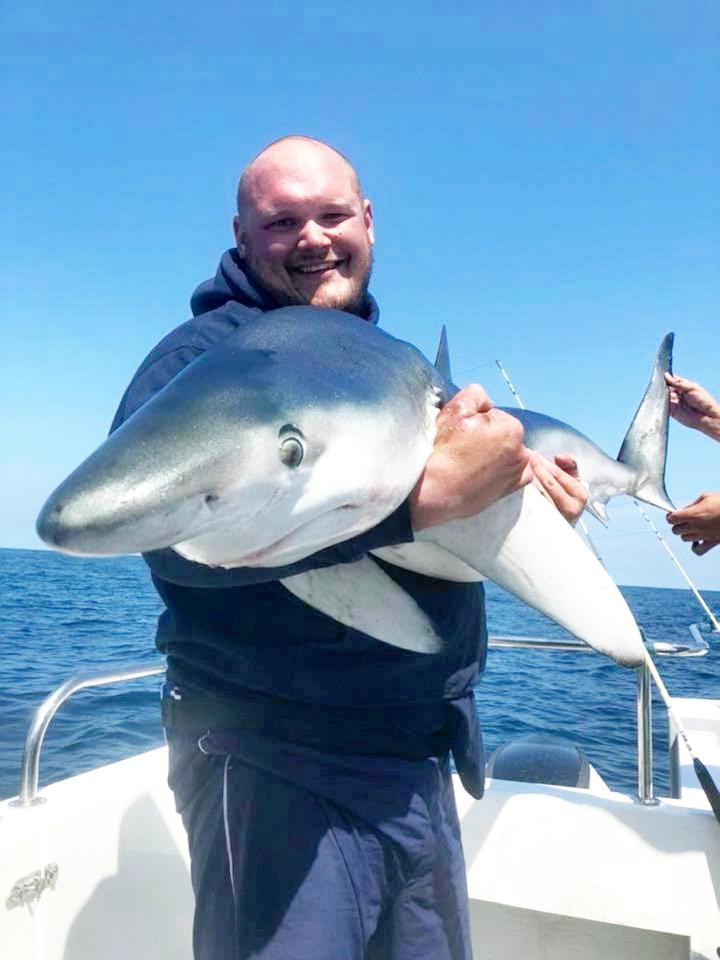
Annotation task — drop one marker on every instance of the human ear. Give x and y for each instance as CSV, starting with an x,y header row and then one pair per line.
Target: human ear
x,y
239,236
368,220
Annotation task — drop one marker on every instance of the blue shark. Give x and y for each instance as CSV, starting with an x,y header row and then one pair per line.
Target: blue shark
x,y
266,449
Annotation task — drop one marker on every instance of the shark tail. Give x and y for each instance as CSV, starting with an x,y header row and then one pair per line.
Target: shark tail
x,y
644,448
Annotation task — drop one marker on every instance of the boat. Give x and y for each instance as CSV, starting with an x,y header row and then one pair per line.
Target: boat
x,y
559,865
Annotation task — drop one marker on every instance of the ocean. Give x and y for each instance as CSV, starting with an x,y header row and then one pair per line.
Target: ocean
x,y
62,616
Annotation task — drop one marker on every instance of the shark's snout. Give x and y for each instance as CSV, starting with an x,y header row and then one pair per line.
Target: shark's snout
x,y
102,520
65,524
50,525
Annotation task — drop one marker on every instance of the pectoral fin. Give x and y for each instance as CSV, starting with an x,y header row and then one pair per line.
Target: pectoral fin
x,y
362,596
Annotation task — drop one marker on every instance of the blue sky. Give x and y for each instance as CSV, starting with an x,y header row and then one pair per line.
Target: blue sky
x,y
544,178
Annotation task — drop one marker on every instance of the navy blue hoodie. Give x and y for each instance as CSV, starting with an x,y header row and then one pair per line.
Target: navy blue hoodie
x,y
229,632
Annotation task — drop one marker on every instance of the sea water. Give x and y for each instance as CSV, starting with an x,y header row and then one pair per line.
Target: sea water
x,y
61,616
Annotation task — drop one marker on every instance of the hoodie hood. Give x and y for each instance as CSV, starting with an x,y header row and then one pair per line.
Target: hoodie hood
x,y
229,283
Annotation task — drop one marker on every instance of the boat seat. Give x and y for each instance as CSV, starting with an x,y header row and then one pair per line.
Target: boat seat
x,y
540,758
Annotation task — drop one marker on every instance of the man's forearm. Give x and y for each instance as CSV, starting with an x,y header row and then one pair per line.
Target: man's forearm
x,y
712,428
477,458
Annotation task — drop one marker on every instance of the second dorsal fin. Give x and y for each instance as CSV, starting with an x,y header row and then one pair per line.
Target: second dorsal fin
x,y
442,359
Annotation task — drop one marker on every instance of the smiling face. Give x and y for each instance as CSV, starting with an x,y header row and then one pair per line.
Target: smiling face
x,y
303,231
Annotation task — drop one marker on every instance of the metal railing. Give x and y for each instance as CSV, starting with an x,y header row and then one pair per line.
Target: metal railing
x,y
30,767
643,710
695,647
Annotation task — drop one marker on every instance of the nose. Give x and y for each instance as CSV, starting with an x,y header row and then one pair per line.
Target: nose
x,y
313,236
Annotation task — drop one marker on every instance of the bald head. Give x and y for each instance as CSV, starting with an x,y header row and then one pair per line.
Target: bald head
x,y
291,152
303,230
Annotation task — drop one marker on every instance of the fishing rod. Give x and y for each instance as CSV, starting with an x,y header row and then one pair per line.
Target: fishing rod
x,y
701,771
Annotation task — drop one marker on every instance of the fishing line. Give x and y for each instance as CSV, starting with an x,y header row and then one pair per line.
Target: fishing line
x,y
580,522
478,366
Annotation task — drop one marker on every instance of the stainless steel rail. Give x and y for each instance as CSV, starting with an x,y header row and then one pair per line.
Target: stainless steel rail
x,y
697,647
538,643
30,768
643,700
645,792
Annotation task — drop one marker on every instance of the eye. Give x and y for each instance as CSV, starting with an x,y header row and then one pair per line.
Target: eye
x,y
283,223
291,446
335,217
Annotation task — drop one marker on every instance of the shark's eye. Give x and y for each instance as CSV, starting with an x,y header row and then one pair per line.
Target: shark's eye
x,y
291,446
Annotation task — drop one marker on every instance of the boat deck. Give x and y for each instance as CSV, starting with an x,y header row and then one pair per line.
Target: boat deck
x,y
553,872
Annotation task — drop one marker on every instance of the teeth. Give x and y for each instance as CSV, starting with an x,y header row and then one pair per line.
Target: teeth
x,y
317,267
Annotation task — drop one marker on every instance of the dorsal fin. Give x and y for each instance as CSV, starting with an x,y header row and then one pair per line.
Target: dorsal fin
x,y
645,445
442,359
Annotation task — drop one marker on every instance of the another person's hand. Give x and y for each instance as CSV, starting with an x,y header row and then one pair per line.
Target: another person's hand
x,y
478,457
698,523
560,483
693,406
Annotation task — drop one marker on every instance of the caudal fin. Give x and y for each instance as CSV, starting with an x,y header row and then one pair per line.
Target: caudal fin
x,y
645,445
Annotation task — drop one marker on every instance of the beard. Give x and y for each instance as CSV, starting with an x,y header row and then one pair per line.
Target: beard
x,y
350,295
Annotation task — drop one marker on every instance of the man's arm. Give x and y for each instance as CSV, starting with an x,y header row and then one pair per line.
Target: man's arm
x,y
699,522
693,406
478,458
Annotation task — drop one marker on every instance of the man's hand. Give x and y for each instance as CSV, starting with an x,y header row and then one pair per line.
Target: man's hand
x,y
693,406
698,523
560,483
478,457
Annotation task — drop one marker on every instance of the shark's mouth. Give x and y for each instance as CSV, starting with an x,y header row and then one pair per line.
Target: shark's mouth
x,y
290,547
293,546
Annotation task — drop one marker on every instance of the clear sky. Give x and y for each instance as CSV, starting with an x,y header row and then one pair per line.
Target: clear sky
x,y
544,175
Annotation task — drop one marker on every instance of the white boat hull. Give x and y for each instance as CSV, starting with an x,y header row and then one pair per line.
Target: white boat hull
x,y
553,872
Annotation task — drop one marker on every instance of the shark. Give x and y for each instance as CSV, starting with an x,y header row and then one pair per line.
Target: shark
x,y
306,427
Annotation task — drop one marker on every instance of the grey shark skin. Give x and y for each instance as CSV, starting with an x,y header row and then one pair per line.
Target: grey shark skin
x,y
299,431
208,464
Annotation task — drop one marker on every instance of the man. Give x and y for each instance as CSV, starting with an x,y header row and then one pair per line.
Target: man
x,y
699,522
310,762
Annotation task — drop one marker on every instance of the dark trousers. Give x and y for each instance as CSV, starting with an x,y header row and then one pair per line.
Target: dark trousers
x,y
298,854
